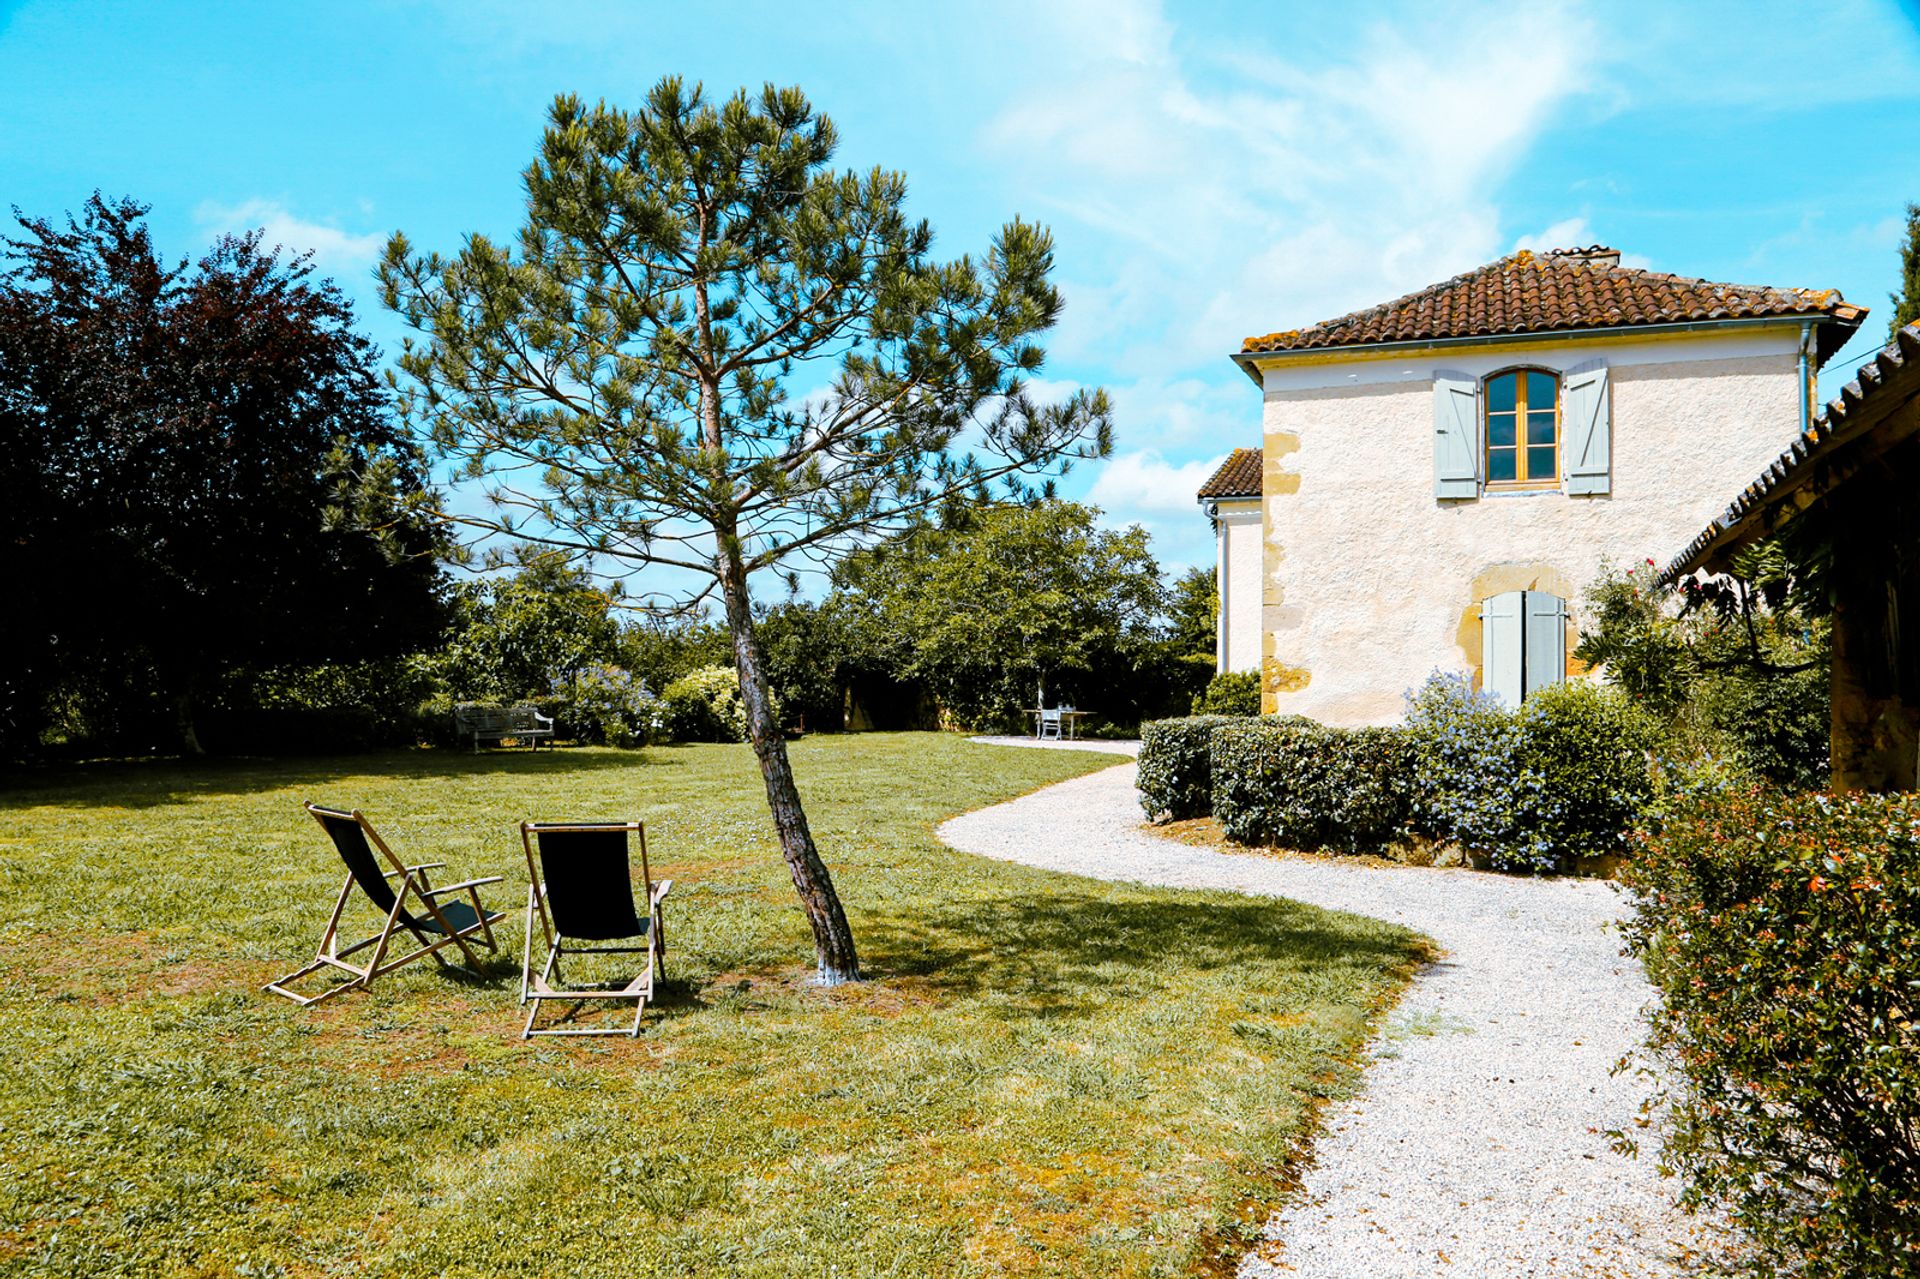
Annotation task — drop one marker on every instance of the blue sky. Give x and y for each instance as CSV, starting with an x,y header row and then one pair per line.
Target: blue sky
x,y
1209,170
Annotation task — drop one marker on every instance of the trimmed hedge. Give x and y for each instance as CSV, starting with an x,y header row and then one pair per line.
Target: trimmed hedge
x,y
1783,932
1302,785
1534,789
1176,770
1230,693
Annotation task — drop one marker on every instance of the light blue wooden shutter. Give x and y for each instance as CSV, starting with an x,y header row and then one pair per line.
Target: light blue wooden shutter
x,y
1586,430
1546,640
1456,436
1501,649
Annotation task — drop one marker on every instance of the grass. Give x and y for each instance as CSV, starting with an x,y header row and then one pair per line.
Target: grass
x,y
1045,1075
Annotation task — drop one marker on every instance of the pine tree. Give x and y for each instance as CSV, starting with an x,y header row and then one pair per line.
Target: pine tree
x,y
619,380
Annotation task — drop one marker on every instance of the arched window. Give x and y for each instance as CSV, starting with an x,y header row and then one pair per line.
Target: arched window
x,y
1523,429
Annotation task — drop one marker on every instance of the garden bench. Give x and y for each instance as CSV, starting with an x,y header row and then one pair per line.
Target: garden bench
x,y
483,722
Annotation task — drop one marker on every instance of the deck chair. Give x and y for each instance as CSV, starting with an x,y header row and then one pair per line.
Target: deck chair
x,y
1050,725
581,889
432,923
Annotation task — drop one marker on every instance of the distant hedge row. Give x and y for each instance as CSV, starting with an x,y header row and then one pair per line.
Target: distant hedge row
x,y
1533,789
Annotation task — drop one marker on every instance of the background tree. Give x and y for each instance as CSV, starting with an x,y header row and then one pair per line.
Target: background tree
x,y
1906,299
991,614
619,379
1193,612
518,636
210,477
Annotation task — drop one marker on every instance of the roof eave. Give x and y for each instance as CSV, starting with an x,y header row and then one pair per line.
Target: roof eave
x,y
1249,360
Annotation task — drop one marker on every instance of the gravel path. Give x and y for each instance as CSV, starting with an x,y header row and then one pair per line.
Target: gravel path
x,y
1476,1147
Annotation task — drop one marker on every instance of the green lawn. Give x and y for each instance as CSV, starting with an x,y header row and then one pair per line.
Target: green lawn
x,y
1045,1075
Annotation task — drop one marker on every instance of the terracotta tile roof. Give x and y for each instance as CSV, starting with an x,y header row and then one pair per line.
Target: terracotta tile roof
x,y
1238,476
1565,289
1877,388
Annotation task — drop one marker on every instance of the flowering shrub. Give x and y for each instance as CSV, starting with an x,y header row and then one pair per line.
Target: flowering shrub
x,y
1230,693
1299,784
1532,789
1784,933
705,706
607,704
1176,770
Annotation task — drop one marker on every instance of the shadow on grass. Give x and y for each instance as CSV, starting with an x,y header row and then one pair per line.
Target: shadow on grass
x,y
139,784
1064,953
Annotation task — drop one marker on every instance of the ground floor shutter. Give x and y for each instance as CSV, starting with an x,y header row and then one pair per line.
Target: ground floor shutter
x,y
1545,640
1523,644
1501,648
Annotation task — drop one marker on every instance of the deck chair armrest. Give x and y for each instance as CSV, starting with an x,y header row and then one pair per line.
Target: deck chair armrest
x,y
462,885
660,890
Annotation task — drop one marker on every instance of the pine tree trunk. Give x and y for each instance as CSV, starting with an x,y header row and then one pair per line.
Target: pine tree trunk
x,y
832,938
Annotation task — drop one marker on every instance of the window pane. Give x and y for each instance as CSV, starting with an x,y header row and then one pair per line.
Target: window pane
x,y
1500,464
1540,464
1500,430
1541,388
1500,392
1539,428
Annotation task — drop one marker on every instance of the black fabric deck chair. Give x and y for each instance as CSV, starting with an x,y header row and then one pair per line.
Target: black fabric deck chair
x,y
580,886
433,923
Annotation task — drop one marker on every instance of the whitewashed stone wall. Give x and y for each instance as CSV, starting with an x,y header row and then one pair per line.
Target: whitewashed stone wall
x,y
1370,582
1238,542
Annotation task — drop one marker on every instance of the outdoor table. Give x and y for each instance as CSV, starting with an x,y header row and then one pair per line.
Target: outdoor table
x,y
1069,721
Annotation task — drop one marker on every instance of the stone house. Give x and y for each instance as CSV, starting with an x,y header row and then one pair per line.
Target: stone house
x,y
1441,477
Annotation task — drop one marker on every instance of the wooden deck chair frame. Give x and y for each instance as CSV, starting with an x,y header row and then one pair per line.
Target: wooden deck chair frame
x,y
413,883
535,988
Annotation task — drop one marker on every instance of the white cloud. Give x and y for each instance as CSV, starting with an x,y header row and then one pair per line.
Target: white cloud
x,y
331,247
1237,192
1136,486
1569,233
1205,193
1574,233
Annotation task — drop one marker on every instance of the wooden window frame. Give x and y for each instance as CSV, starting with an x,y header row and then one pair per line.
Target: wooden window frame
x,y
1526,483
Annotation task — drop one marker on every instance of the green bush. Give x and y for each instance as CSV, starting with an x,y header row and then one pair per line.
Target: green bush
x,y
1783,932
705,706
1230,693
1779,727
1736,672
299,730
328,708
608,705
1302,785
1534,789
1176,769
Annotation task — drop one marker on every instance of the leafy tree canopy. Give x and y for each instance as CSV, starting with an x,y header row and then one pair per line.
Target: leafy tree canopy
x,y
1193,612
207,448
989,612
520,635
